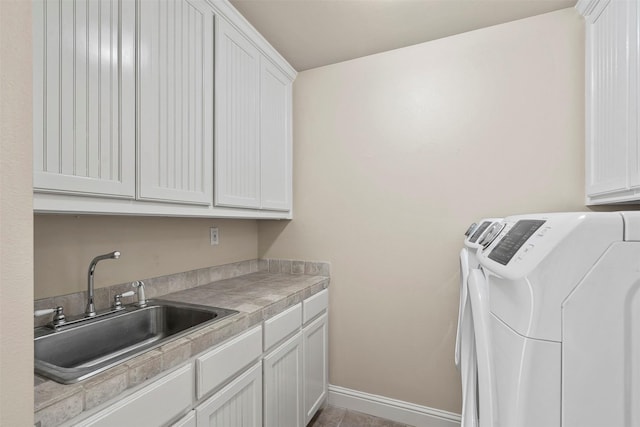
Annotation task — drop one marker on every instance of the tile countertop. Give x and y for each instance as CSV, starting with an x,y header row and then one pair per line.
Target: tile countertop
x,y
257,297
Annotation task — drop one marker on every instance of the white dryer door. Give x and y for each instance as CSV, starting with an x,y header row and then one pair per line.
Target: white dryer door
x,y
601,343
478,289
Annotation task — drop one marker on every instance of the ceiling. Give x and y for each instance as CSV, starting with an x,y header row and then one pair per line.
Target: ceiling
x,y
313,33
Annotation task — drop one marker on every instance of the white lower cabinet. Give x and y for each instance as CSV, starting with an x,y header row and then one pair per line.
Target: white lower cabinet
x,y
154,405
315,371
283,385
239,404
296,373
217,366
273,375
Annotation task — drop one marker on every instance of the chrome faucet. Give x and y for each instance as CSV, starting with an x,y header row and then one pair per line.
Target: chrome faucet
x,y
91,308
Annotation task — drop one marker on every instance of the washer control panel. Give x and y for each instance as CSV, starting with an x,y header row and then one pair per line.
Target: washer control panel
x,y
515,238
477,232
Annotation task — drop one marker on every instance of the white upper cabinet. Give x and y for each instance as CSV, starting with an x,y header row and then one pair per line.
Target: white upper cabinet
x,y
237,152
159,107
84,97
612,155
175,107
253,124
275,137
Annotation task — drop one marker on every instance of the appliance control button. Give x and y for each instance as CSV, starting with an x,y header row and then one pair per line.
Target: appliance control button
x,y
543,231
525,251
491,234
471,229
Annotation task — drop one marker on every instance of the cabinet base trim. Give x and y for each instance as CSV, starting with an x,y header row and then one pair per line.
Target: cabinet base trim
x,y
391,409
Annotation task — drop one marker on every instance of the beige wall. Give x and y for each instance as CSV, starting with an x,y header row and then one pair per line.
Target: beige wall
x,y
389,152
16,225
150,247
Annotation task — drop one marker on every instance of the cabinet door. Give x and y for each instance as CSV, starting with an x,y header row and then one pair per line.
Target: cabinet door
x,y
239,404
633,23
611,90
217,366
175,65
84,97
237,150
283,385
315,351
275,137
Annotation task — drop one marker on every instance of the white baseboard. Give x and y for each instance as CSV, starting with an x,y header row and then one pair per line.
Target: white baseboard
x,y
391,409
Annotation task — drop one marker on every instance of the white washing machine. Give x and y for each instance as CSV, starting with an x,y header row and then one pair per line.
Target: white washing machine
x,y
562,342
465,352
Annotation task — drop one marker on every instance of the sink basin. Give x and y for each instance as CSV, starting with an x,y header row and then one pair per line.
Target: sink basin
x,y
79,351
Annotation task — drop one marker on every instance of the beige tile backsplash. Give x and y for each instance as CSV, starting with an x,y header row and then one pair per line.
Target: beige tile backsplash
x,y
75,303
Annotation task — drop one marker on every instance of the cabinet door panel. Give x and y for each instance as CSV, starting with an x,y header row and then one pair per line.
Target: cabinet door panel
x,y
239,404
176,101
608,100
282,325
237,150
283,385
315,346
634,93
84,97
275,137
223,362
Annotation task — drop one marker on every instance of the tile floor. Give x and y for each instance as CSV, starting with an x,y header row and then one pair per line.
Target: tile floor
x,y
332,416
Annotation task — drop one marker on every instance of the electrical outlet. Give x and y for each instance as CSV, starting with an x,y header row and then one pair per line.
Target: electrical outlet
x,y
213,231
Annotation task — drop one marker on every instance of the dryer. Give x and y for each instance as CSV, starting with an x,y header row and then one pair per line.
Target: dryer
x,y
562,348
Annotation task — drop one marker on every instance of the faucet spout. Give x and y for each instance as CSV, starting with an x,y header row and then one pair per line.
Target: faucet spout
x,y
91,308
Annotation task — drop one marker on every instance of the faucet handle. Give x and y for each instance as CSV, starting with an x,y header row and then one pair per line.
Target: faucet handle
x,y
59,317
117,304
142,300
43,312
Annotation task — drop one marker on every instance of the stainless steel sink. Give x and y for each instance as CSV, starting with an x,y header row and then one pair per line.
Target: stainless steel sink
x,y
80,350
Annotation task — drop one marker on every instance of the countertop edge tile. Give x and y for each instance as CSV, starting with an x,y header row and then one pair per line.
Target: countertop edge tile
x,y
61,411
49,393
